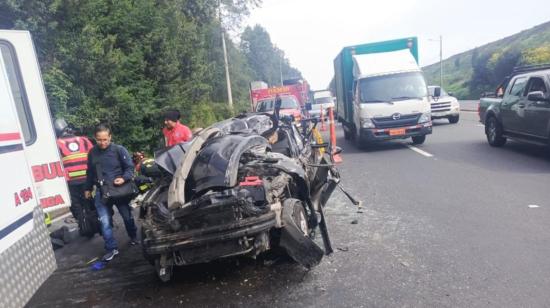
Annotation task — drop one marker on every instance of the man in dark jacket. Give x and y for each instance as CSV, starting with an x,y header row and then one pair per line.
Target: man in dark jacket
x,y
116,165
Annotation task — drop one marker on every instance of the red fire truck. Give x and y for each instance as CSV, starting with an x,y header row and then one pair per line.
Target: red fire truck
x,y
298,88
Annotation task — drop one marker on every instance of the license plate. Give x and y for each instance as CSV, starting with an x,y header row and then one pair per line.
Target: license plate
x,y
397,132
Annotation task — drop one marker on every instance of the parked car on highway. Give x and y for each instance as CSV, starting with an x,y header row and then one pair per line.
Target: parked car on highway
x,y
524,111
444,105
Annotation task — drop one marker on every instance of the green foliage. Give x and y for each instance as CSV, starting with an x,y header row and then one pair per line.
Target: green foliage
x,y
267,61
537,55
481,69
125,61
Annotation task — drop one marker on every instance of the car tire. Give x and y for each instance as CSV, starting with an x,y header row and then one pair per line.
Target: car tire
x,y
295,239
419,139
454,119
493,130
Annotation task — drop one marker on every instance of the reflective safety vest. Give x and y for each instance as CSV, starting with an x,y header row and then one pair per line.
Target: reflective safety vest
x,y
74,154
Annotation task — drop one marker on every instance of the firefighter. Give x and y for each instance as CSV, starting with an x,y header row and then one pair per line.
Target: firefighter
x,y
74,155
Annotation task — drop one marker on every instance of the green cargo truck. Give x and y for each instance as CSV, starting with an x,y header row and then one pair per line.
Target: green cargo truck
x,y
381,92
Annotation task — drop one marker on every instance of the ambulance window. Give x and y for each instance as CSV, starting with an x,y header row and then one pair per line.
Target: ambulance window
x,y
18,92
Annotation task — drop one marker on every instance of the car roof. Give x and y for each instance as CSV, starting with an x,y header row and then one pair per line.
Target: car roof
x,y
534,73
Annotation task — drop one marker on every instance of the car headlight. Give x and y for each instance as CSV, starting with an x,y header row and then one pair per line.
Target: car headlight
x,y
425,117
367,123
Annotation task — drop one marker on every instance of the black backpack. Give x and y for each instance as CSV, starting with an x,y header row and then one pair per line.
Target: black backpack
x,y
88,221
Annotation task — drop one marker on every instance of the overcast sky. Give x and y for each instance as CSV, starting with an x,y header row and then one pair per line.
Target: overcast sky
x,y
312,32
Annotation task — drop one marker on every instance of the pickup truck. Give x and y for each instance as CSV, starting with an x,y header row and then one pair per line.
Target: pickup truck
x,y
523,113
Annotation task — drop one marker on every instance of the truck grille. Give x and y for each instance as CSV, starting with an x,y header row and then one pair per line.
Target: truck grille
x,y
441,107
389,122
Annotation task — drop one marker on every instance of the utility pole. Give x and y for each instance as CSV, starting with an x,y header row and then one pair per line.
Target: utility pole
x,y
441,61
281,68
227,78
440,58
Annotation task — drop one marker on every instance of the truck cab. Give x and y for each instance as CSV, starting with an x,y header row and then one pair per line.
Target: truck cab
x,y
322,100
382,93
289,106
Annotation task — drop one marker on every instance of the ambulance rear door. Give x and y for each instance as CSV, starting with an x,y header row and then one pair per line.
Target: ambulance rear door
x,y
23,71
26,254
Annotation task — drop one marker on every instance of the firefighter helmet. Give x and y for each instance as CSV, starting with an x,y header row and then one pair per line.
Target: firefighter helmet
x,y
60,126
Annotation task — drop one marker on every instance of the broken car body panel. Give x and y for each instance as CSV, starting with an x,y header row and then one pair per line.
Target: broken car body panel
x,y
242,186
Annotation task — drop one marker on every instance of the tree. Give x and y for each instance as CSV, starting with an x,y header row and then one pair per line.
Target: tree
x,y
266,60
123,62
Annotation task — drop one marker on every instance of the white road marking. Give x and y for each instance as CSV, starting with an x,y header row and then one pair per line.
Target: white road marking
x,y
533,206
480,125
419,151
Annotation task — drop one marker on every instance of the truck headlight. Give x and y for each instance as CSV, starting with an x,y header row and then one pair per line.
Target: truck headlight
x,y
425,117
367,123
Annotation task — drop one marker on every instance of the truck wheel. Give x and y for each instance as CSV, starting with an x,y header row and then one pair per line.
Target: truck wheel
x,y
358,141
454,119
493,130
347,134
419,139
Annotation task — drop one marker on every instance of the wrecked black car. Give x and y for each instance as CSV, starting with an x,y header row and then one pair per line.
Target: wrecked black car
x,y
239,188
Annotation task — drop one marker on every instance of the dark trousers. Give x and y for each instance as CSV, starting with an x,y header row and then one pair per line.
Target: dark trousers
x,y
77,199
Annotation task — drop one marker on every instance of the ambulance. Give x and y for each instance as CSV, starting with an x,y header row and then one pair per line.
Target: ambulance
x,y
33,180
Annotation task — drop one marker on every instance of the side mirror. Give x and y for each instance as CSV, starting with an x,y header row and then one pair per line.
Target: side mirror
x,y
451,93
308,106
437,91
537,96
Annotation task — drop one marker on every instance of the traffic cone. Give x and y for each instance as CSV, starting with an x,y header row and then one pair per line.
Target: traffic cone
x,y
336,157
323,127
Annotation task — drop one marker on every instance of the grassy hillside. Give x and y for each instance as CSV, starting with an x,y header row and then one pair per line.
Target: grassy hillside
x,y
481,69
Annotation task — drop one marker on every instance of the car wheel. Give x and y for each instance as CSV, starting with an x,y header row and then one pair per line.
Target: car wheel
x,y
493,130
419,139
295,238
454,119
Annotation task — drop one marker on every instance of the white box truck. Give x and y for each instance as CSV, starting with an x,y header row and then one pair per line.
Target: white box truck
x,y
381,92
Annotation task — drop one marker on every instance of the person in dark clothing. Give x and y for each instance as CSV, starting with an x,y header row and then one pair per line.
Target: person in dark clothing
x,y
116,166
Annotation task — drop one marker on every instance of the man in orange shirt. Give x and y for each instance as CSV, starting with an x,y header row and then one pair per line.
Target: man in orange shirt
x,y
175,132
